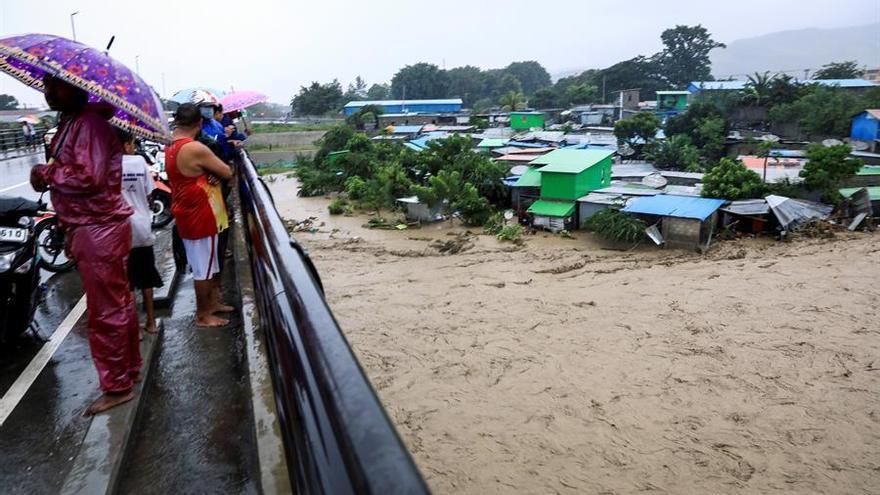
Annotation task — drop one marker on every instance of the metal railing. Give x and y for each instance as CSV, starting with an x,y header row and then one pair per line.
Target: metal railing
x,y
14,140
337,436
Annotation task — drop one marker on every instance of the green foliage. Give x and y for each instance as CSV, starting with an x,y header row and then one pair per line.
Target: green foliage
x,y
511,233
421,80
827,167
731,180
685,56
357,90
318,99
839,70
710,136
614,225
674,153
638,130
355,188
531,75
334,140
512,101
338,206
379,92
387,184
8,102
273,128
365,114
494,224
821,112
579,94
545,98
703,122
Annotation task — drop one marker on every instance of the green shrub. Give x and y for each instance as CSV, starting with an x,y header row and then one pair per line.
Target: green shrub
x,y
494,224
356,188
731,180
511,233
616,226
339,206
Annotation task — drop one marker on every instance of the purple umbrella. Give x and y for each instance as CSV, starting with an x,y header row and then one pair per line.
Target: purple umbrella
x,y
138,109
240,100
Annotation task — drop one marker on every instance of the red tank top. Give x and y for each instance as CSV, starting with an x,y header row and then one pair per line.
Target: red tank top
x,y
190,203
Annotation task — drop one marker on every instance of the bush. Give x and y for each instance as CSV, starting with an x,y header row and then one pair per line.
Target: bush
x,y
355,188
339,206
494,224
731,180
616,226
511,233
674,153
827,167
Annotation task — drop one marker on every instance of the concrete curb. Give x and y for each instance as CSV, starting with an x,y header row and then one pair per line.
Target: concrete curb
x,y
271,458
95,469
164,296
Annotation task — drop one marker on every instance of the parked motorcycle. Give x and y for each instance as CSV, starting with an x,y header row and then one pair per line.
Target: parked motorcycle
x,y
160,198
19,266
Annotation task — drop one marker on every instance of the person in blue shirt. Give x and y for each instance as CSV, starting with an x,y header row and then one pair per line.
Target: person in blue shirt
x,y
228,123
213,131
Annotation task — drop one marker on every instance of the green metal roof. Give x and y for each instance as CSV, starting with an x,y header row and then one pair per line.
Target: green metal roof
x,y
552,208
532,178
492,143
869,170
873,192
569,161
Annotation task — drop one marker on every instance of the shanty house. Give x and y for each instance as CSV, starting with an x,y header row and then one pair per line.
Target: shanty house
x,y
526,120
686,222
567,175
866,127
526,190
672,102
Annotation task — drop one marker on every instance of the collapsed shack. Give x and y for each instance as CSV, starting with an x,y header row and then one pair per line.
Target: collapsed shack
x,y
417,211
685,222
748,216
794,213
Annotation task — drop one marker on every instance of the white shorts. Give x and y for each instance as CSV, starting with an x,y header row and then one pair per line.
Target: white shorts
x,y
201,256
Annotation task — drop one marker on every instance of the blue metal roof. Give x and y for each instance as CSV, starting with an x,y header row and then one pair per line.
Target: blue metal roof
x,y
675,206
396,103
696,86
407,129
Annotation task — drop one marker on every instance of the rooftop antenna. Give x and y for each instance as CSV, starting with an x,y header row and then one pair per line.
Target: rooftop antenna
x,y
112,39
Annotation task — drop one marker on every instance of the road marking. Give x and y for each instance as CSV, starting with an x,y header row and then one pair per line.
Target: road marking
x,y
29,375
15,186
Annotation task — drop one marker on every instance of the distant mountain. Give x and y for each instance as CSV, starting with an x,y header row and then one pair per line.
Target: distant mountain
x,y
791,51
797,50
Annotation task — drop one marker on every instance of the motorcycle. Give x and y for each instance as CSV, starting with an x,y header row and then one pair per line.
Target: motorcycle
x,y
20,289
160,198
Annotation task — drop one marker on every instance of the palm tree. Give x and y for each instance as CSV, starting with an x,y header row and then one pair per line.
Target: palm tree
x,y
513,101
757,90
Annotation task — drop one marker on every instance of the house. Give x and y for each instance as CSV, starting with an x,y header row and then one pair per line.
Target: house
x,y
873,194
567,175
866,128
421,212
610,197
672,102
747,215
867,176
697,87
526,191
452,105
686,222
526,120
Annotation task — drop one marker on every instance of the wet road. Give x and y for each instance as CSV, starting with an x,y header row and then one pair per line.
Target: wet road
x,y
15,174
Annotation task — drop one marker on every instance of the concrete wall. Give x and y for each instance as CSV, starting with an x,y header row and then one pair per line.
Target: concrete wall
x,y
285,139
682,233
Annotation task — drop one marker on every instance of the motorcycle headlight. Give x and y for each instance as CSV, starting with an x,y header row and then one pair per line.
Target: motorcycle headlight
x,y
6,260
25,222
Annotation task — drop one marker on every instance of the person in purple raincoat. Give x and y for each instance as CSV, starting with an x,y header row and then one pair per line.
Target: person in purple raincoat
x,y
84,175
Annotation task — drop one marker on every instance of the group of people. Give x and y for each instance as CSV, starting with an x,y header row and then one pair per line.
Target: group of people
x,y
99,190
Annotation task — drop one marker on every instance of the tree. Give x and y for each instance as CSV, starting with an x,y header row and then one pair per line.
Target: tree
x,y
509,83
512,101
419,81
545,98
820,112
783,89
674,153
704,123
639,72
8,102
685,56
366,113
731,180
710,137
826,167
839,70
757,90
357,90
318,99
465,83
638,130
579,94
379,92
530,74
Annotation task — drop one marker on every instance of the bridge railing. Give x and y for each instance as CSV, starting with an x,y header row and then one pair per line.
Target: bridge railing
x,y
13,139
338,438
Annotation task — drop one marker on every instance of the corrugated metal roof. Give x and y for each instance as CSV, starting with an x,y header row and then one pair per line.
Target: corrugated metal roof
x,y
717,85
551,208
516,157
740,85
630,190
695,191
406,129
532,178
357,104
492,143
748,207
874,112
843,83
675,206
413,146
606,199
571,161
869,170
673,92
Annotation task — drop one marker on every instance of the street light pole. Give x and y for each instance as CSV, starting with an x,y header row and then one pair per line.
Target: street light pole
x,y
73,25
137,64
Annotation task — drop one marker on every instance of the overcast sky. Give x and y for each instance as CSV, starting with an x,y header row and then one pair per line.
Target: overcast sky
x,y
277,46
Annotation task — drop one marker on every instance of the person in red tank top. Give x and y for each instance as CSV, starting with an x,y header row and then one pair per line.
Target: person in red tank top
x,y
198,209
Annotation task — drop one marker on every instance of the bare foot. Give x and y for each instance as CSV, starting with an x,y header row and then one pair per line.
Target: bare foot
x,y
222,308
108,401
210,321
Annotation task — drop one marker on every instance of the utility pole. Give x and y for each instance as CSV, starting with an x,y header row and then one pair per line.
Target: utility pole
x,y
73,25
137,64
163,85
603,89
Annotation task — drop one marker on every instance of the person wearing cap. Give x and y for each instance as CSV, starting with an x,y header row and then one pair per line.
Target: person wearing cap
x,y
199,210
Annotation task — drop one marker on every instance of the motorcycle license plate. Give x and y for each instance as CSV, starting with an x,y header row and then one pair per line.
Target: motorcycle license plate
x,y
9,234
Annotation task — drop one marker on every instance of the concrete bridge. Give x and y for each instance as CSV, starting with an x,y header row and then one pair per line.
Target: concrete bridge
x,y
273,403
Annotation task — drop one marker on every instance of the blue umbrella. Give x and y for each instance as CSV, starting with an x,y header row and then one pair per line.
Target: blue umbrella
x,y
186,95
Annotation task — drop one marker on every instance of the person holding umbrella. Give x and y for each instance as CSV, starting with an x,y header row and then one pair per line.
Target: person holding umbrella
x,y
84,176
